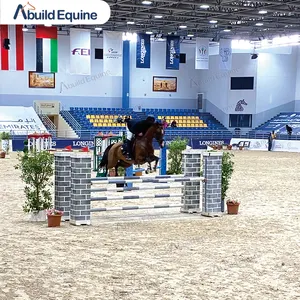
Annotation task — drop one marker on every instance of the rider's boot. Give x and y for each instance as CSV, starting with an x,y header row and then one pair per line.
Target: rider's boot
x,y
128,150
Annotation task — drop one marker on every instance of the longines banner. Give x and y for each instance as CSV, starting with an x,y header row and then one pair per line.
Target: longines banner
x,y
143,51
225,54
80,51
113,52
202,54
54,12
173,53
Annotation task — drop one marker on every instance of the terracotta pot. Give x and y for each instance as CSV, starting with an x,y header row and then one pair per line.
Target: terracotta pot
x,y
219,147
54,220
214,147
112,173
241,147
2,154
139,173
233,208
229,147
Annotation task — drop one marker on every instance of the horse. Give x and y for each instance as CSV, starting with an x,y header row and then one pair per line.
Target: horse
x,y
149,170
113,156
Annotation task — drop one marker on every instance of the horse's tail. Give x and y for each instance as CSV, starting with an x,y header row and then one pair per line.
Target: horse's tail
x,y
104,160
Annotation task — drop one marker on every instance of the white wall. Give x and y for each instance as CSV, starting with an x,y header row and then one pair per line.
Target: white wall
x,y
297,89
141,84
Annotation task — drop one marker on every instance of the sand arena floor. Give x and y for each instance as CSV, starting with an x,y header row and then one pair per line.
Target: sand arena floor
x,y
252,256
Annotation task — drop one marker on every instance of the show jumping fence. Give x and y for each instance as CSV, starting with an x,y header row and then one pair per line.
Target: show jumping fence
x,y
73,186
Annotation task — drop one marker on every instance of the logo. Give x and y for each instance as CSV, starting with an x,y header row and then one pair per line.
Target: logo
x,y
54,12
239,105
172,52
21,9
225,53
203,51
143,51
112,51
81,51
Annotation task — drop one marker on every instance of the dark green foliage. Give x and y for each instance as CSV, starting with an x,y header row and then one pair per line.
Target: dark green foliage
x,y
37,169
227,171
175,155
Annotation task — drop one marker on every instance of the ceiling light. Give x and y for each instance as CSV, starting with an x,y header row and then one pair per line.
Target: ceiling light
x,y
158,17
213,21
226,30
48,25
25,28
259,24
98,28
182,26
130,22
149,32
190,35
262,12
146,2
204,6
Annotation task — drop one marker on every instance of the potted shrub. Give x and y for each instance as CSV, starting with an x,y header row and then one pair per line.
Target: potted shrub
x,y
175,155
5,142
232,207
37,170
54,217
227,171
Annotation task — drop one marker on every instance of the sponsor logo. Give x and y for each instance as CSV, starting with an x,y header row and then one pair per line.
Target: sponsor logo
x,y
83,144
172,52
207,143
203,51
81,51
225,53
239,105
143,51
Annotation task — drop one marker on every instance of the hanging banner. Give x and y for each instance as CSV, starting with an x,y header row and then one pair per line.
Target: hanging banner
x,y
143,51
80,51
113,53
173,53
225,53
202,54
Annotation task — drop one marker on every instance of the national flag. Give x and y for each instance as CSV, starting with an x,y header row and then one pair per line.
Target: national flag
x,y
12,59
46,49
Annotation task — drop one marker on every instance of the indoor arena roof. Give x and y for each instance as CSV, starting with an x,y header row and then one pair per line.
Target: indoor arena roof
x,y
212,18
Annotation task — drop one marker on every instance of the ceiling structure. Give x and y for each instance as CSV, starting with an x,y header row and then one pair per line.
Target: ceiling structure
x,y
214,19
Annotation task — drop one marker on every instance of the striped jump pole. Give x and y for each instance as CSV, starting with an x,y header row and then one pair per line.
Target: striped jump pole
x,y
135,207
73,186
137,188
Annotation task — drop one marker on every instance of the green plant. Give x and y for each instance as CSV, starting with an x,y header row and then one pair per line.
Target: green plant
x,y
227,171
25,149
54,212
175,155
37,169
5,136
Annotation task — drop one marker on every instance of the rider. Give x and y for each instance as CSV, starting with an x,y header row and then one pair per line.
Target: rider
x,y
135,128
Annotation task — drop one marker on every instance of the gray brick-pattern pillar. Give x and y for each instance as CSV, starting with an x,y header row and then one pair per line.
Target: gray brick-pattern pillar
x,y
212,167
191,192
81,165
62,183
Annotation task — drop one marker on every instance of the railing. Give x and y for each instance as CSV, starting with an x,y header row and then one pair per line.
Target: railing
x,y
48,124
214,135
72,121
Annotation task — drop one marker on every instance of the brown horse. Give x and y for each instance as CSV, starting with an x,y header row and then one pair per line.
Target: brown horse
x,y
113,156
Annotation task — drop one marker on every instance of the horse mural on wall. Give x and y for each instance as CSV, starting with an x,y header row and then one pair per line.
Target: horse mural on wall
x,y
239,105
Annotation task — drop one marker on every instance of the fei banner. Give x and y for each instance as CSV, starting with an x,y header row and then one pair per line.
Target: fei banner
x,y
173,52
225,53
80,51
202,54
143,51
113,53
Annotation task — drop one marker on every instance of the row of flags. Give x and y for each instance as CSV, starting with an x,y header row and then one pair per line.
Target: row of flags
x,y
12,55
143,53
